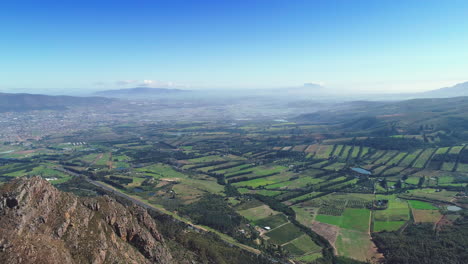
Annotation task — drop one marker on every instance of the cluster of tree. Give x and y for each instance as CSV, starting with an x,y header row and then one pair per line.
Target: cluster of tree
x,y
421,244
392,143
463,156
241,179
155,155
327,249
121,180
212,210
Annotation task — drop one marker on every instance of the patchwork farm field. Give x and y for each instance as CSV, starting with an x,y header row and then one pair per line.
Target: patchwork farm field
x,y
353,219
355,244
284,234
286,189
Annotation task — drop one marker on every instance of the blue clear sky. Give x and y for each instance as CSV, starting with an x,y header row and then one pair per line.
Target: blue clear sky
x,y
375,45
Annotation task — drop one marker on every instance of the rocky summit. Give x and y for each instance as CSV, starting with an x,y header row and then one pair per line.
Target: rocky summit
x,y
40,224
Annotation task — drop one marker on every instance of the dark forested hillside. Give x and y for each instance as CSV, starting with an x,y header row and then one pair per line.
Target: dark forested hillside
x,y
422,244
27,102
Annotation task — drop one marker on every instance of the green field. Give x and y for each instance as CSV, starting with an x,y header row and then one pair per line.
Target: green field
x,y
395,160
233,169
354,219
410,158
309,258
462,167
302,245
284,234
448,166
412,180
380,226
257,213
355,152
423,158
385,158
160,170
456,150
259,171
354,244
301,182
272,221
441,151
421,205
338,150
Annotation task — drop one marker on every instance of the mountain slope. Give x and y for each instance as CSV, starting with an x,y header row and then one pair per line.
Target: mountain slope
x,y
441,113
460,89
139,92
40,224
26,102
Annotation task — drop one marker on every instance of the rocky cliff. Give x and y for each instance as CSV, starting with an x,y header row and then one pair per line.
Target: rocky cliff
x,y
40,224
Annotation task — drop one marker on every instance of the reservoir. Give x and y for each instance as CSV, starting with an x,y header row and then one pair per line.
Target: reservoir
x,y
453,208
362,171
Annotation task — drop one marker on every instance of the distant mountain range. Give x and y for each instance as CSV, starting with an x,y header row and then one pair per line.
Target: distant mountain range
x,y
139,92
443,113
460,89
10,102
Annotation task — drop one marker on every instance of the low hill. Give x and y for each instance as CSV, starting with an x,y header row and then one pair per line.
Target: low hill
x,y
460,89
448,114
139,92
10,102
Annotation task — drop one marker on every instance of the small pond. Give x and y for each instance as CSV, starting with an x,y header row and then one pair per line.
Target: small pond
x,y
453,208
362,171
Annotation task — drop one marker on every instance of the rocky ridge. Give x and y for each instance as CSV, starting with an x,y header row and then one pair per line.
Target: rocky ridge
x,y
40,224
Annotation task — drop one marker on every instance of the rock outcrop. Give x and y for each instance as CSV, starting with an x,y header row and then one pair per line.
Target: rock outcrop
x,y
40,224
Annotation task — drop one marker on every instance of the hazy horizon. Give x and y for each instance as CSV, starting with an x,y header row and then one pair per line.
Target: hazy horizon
x,y
346,46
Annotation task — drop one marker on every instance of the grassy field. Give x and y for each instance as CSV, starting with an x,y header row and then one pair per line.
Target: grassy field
x,y
392,218
345,152
324,151
354,244
335,166
421,205
233,169
257,213
380,226
309,258
426,216
258,171
354,219
462,167
385,158
355,152
272,221
338,150
293,184
302,245
210,158
412,180
46,171
430,194
448,166
162,171
441,151
305,196
410,158
284,234
423,158
305,215
456,150
395,160
364,151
